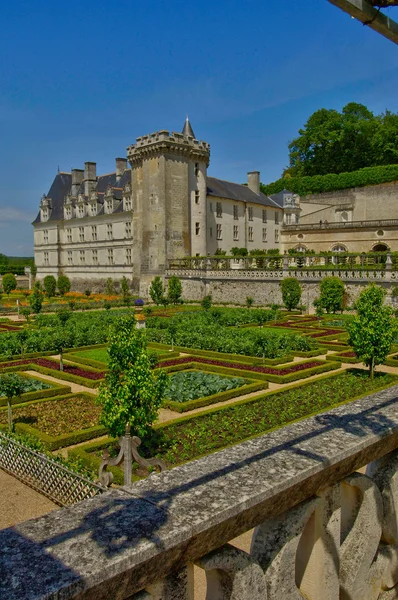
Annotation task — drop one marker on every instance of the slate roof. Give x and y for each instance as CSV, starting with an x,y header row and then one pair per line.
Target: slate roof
x,y
236,191
278,198
62,185
187,129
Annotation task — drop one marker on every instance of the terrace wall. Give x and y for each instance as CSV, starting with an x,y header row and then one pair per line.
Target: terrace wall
x,y
323,529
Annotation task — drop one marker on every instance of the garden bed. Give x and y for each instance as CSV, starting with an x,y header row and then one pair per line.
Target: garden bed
x,y
37,388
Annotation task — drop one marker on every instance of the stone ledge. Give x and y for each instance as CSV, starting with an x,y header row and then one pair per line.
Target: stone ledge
x,y
116,544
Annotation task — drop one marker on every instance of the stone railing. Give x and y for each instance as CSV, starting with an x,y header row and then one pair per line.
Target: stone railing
x,y
323,530
341,225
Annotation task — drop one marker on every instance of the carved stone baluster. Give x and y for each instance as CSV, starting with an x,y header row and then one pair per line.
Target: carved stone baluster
x,y
274,546
177,586
359,575
232,574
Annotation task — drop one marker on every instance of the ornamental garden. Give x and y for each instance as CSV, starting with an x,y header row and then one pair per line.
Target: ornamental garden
x,y
198,378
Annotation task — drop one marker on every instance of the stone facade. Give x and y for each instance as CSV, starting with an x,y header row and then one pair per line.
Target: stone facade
x,y
130,223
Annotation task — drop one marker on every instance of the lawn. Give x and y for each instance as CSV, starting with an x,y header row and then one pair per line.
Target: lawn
x,y
101,354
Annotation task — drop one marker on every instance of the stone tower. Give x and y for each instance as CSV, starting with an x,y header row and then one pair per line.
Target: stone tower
x,y
169,174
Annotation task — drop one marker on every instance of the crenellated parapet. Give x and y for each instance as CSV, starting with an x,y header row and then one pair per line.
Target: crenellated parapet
x,y
163,141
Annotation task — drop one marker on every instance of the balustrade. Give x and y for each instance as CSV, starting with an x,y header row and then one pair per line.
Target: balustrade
x,y
322,529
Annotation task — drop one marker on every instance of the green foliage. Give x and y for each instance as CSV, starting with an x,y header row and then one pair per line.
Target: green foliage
x,y
206,302
63,315
87,292
9,283
291,292
328,183
132,392
50,285
249,301
174,290
3,260
235,251
11,386
36,298
332,294
25,312
107,305
110,287
63,284
372,331
124,288
156,290
191,385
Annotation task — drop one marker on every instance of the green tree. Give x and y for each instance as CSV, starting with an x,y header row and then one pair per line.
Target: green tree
x,y
110,287
291,292
174,290
372,331
61,339
63,284
332,294
63,315
11,386
50,285
9,283
3,260
22,336
249,301
36,298
132,392
124,288
156,290
206,302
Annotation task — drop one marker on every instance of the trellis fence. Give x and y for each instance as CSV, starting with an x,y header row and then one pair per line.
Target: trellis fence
x,y
60,484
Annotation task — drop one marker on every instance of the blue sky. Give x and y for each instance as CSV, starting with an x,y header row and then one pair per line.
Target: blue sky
x,y
81,80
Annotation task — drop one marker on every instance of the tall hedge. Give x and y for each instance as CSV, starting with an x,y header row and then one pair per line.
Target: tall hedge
x,y
329,183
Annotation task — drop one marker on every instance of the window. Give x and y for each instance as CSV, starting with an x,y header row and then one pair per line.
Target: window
x,y
236,233
46,259
264,216
95,257
93,209
44,213
197,228
128,229
68,212
109,232
211,206
69,236
276,218
94,235
236,213
196,196
264,234
250,211
110,256
128,204
81,234
276,236
109,206
250,234
82,257
219,231
81,210
128,256
45,236
219,209
196,169
70,258
211,231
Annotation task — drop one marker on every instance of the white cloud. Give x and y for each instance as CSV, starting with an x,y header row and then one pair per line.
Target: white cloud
x,y
9,214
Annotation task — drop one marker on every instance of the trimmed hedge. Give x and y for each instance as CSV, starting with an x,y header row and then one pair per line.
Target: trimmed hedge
x,y
249,387
242,358
331,182
87,362
87,458
92,383
53,391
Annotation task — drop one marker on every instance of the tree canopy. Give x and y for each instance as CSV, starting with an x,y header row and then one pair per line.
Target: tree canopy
x,y
339,142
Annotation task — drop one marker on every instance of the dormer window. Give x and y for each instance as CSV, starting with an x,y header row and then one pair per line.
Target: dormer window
x,y
44,214
109,206
45,208
81,210
68,212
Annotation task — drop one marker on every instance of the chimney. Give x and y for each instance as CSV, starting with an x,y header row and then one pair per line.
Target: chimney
x,y
253,182
90,177
77,178
121,166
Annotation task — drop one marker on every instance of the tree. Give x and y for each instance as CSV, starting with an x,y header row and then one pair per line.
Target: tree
x,y
3,260
174,290
206,302
124,287
249,301
156,290
291,292
63,284
61,340
11,386
9,283
372,331
63,315
22,336
338,142
50,285
132,392
332,294
110,287
36,298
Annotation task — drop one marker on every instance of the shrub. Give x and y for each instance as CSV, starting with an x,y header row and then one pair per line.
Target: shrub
x,y
9,283
87,293
124,288
110,287
63,284
11,386
156,290
50,285
291,292
107,305
174,290
249,301
332,294
36,298
206,302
